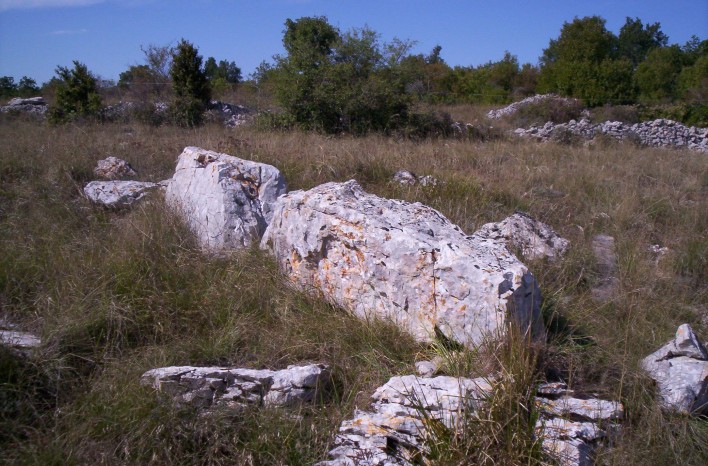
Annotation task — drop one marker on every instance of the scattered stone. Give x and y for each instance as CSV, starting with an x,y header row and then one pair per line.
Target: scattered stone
x,y
401,262
22,343
656,133
680,369
533,238
535,99
603,247
426,369
36,106
226,201
118,194
113,168
204,387
408,178
394,431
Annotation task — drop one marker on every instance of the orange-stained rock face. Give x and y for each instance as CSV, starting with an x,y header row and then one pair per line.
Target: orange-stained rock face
x,y
396,261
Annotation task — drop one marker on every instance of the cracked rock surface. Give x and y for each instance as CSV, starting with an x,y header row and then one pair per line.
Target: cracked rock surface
x,y
118,194
533,238
203,387
226,201
402,262
680,369
392,432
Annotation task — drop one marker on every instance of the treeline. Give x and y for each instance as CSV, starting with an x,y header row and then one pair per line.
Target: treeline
x,y
334,81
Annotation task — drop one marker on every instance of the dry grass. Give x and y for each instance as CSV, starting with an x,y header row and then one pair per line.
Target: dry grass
x,y
115,294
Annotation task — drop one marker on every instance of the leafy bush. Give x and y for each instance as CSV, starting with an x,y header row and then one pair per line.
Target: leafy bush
x,y
555,110
76,94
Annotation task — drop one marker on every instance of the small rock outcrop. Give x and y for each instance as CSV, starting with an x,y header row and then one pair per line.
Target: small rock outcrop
x,y
405,177
534,99
204,387
603,248
656,133
118,194
680,369
36,106
113,168
226,201
401,262
533,238
571,428
392,433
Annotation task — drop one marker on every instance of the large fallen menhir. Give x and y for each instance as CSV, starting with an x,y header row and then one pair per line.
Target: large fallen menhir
x,y
402,262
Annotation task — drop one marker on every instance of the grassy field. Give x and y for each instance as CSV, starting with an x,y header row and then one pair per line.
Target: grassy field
x,y
113,294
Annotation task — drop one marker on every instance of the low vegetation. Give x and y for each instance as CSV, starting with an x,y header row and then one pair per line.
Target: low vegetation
x,y
116,293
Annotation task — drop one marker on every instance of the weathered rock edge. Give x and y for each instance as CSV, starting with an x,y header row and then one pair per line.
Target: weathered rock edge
x,y
226,201
680,369
401,262
204,387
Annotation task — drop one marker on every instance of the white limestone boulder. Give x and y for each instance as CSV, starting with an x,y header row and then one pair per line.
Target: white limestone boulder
x,y
533,238
203,387
118,194
226,201
402,262
680,369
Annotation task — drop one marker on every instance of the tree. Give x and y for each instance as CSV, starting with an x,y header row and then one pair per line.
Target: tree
x,y
636,40
8,88
583,62
584,39
190,84
336,82
657,76
76,94
27,87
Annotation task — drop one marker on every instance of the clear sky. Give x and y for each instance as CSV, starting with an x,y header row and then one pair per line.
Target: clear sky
x,y
38,35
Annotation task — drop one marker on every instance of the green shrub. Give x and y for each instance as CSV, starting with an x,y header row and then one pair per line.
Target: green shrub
x,y
76,94
190,83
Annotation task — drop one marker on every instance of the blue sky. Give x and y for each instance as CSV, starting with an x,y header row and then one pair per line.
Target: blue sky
x,y
38,35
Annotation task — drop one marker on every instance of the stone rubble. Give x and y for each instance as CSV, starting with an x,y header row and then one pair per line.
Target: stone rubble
x,y
533,238
405,177
680,369
656,133
118,194
230,115
402,262
226,201
535,99
205,387
570,428
393,432
113,168
36,106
